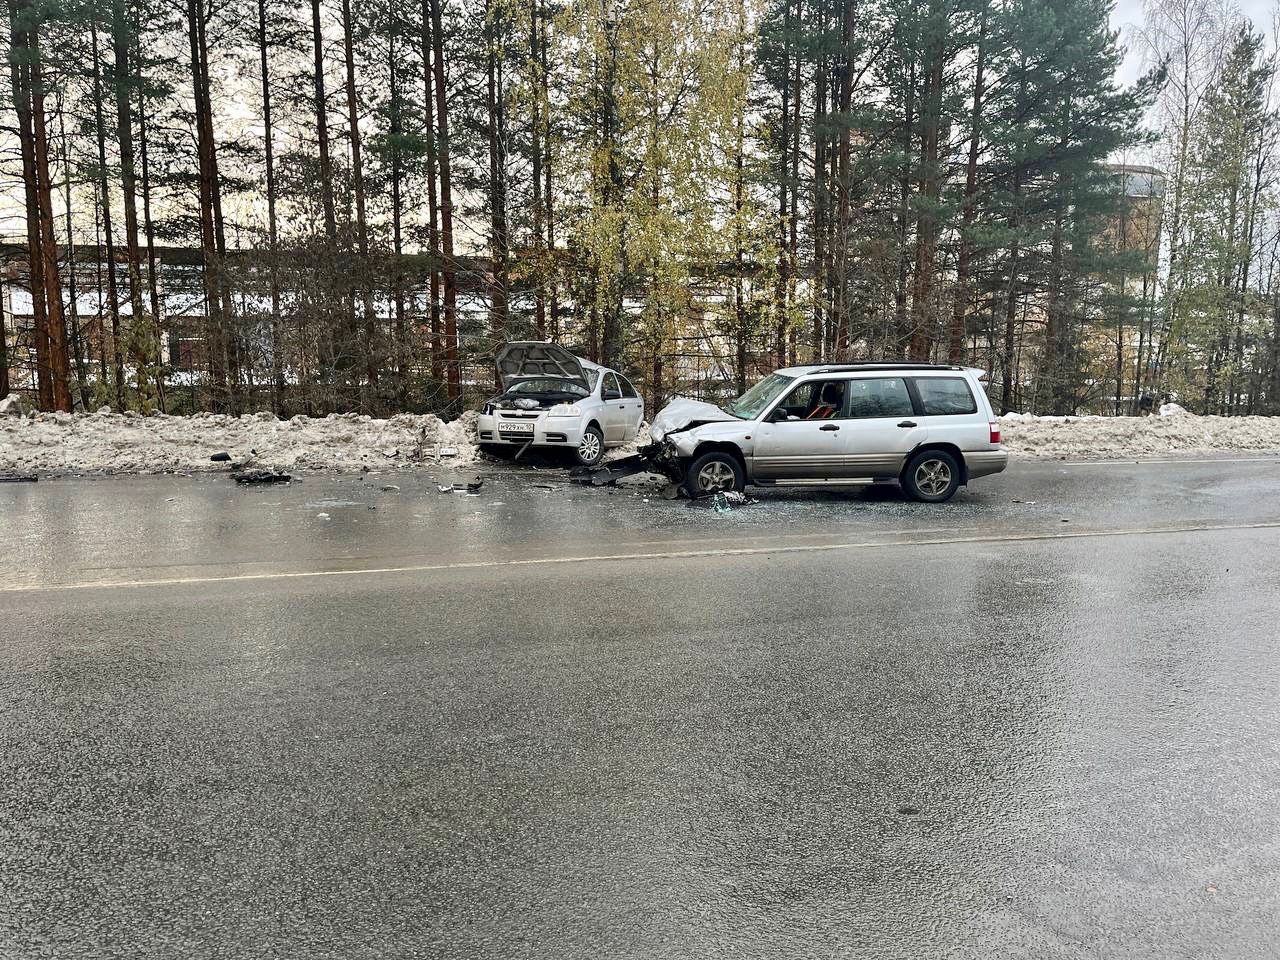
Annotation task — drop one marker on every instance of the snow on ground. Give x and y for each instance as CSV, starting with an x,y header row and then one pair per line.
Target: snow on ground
x,y
115,443
1111,438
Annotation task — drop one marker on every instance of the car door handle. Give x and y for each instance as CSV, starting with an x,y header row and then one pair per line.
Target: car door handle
x,y
828,426
908,423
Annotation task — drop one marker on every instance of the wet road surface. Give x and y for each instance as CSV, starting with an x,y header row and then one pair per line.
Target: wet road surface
x,y
1042,720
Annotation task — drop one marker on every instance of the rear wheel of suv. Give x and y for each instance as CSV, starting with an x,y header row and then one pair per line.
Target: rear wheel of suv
x,y
714,472
591,449
932,476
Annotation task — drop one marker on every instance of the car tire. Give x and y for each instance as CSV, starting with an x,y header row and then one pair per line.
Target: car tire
x,y
715,472
591,450
932,476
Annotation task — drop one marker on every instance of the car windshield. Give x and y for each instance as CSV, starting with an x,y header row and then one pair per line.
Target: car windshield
x,y
752,403
545,385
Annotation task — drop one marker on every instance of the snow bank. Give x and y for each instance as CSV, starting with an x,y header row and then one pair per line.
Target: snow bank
x,y
1101,438
114,443
129,443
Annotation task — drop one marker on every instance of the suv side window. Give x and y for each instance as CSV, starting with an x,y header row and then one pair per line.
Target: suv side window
x,y
879,397
628,390
814,400
945,396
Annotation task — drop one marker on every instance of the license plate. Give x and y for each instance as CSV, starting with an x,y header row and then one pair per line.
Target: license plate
x,y
516,427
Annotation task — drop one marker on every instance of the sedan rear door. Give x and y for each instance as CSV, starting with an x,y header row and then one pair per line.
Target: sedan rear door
x,y
618,410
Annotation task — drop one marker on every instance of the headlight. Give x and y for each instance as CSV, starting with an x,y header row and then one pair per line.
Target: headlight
x,y
565,410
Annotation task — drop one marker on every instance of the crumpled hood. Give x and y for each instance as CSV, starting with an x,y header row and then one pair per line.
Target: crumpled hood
x,y
682,413
535,358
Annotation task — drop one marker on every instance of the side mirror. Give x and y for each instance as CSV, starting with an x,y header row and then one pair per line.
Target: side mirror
x,y
778,415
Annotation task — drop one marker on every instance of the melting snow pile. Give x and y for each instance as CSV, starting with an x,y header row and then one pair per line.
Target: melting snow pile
x,y
129,443
1175,430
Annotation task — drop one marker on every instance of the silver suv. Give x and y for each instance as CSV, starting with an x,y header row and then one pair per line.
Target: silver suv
x,y
928,427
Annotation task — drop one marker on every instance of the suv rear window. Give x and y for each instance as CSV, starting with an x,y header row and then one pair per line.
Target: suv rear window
x,y
943,396
879,397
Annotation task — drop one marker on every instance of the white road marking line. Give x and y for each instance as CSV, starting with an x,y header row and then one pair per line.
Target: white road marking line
x,y
1141,463
604,558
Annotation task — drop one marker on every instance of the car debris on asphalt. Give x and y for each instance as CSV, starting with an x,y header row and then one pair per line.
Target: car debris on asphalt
x,y
18,478
222,457
261,475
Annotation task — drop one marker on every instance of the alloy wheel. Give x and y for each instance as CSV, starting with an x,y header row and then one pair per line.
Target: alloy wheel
x,y
933,477
716,475
589,449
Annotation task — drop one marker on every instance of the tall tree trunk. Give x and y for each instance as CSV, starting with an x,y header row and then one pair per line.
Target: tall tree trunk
x,y
273,240
793,225
1008,371
20,23
401,352
495,34
113,290
73,305
153,276
819,206
841,316
549,223
535,151
930,187
453,369
139,338
322,131
782,284
433,228
901,331
956,340
210,220
357,186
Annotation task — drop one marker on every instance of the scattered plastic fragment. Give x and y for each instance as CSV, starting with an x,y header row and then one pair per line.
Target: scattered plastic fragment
x,y
18,478
261,476
720,504
222,457
473,486
445,487
389,487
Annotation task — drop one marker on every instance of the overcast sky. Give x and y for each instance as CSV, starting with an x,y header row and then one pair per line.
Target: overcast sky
x,y
1127,15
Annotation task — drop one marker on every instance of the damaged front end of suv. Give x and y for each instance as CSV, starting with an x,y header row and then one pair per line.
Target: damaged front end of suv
x,y
675,436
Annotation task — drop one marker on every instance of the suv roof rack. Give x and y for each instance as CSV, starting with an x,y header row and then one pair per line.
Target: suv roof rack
x,y
876,365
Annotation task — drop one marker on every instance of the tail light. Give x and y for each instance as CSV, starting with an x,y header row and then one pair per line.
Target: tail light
x,y
995,430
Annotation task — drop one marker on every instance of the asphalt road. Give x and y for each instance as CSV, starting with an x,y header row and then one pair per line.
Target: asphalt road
x,y
1041,721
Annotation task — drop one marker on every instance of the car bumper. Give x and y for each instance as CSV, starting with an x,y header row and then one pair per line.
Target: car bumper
x,y
984,463
547,431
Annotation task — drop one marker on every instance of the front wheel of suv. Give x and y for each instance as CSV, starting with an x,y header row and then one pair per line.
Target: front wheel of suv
x,y
932,476
714,472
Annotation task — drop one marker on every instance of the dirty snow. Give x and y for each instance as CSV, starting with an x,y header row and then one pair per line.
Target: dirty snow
x,y
1175,430
129,443
106,442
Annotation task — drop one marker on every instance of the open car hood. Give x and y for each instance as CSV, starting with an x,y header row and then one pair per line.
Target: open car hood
x,y
683,413
533,358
